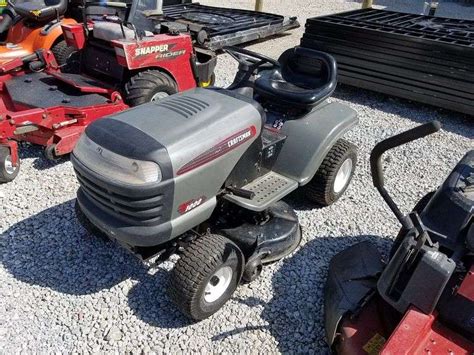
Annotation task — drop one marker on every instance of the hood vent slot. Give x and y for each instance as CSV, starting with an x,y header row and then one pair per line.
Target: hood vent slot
x,y
184,105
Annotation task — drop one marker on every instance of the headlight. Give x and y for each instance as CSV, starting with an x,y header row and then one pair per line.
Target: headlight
x,y
114,166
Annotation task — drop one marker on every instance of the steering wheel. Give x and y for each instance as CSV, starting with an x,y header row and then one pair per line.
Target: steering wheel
x,y
250,59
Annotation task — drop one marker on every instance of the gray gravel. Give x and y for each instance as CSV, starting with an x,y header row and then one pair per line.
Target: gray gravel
x,y
62,290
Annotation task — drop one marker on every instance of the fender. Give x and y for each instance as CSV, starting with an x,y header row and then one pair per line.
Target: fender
x,y
46,39
318,131
351,277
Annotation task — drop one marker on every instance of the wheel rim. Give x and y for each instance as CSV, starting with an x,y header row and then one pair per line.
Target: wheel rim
x,y
218,284
9,168
159,95
343,175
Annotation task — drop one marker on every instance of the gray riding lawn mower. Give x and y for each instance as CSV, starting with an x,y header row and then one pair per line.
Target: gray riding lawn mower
x,y
202,173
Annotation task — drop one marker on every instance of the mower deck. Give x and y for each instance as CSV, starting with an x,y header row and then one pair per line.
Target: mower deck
x,y
40,90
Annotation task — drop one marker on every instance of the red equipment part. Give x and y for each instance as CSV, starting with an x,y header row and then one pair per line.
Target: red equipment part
x,y
26,116
375,330
420,333
163,51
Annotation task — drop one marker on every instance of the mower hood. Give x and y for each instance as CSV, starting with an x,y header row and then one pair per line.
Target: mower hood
x,y
163,163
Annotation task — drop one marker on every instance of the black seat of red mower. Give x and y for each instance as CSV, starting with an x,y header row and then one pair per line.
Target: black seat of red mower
x,y
306,78
41,10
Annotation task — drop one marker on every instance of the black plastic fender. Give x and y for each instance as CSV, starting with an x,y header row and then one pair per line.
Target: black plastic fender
x,y
352,275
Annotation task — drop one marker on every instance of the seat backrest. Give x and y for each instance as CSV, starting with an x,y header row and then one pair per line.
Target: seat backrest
x,y
308,68
110,31
305,78
41,10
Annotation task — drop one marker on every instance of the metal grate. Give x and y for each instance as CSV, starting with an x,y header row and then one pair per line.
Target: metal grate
x,y
215,27
420,58
445,30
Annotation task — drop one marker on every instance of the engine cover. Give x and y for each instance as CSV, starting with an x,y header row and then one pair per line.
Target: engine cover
x,y
196,137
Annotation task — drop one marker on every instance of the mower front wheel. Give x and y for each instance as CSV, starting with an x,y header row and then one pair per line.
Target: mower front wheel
x,y
8,172
334,174
206,276
149,86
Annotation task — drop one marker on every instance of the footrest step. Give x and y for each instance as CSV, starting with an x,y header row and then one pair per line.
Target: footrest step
x,y
268,189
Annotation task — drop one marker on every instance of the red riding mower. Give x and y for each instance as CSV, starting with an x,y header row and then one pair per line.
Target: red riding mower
x,y
124,62
422,300
28,26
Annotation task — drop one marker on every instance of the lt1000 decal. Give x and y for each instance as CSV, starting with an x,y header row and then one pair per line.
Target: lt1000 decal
x,y
191,205
160,51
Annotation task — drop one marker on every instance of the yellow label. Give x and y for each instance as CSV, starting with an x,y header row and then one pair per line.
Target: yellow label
x,y
205,84
36,13
374,345
3,3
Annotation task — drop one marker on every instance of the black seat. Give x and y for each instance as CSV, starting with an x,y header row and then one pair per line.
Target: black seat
x,y
41,10
306,78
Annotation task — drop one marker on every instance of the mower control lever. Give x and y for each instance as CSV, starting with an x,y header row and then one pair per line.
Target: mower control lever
x,y
390,143
396,141
249,195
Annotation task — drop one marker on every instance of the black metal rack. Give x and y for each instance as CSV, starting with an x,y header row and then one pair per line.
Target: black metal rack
x,y
422,58
216,27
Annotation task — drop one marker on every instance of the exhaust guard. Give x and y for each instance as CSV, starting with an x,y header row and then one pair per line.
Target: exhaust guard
x,y
352,275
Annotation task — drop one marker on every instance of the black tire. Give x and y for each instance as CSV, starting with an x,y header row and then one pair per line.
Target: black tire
x,y
321,189
50,152
419,207
7,171
67,57
143,87
86,223
196,269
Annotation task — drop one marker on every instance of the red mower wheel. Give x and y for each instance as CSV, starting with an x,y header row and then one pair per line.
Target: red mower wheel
x,y
8,172
50,152
149,86
68,58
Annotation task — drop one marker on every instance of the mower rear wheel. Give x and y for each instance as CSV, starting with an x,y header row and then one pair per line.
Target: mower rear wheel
x,y
149,86
67,57
8,172
334,174
206,276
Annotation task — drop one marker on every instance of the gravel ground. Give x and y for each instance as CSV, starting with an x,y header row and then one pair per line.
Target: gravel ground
x,y
64,291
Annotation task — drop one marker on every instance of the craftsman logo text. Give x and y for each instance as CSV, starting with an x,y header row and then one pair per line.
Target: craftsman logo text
x,y
239,139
